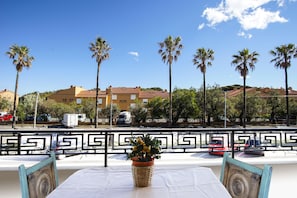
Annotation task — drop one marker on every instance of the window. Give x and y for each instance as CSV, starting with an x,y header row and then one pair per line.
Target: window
x,y
78,101
132,105
114,97
145,101
133,97
99,101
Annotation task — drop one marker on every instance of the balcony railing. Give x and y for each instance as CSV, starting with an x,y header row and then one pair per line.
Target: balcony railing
x,y
116,141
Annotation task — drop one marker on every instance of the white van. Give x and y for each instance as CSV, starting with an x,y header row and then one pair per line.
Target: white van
x,y
124,118
70,120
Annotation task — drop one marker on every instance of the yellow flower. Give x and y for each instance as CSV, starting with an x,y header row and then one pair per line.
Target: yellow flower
x,y
146,149
140,141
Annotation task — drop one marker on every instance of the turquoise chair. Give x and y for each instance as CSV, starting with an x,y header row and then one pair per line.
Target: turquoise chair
x,y
245,180
40,179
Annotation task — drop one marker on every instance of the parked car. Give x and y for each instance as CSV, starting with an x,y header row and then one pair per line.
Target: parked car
x,y
29,118
124,118
5,117
254,147
44,117
219,145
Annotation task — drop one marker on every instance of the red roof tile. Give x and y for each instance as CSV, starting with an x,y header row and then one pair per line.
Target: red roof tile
x,y
91,94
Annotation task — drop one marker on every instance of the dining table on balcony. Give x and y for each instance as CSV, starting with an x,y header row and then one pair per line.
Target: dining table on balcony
x,y
168,181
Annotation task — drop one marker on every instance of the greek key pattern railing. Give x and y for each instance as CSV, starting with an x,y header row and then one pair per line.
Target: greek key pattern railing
x,y
116,141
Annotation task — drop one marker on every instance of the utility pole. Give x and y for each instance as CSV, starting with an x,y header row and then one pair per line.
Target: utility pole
x,y
225,111
110,108
35,112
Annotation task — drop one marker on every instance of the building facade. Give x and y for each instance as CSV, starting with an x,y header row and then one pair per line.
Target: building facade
x,y
124,97
9,96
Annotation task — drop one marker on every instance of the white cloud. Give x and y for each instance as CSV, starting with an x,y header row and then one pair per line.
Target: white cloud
x,y
244,35
134,54
201,26
259,19
281,2
215,15
250,14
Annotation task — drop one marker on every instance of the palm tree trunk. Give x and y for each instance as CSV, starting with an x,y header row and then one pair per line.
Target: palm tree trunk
x,y
14,100
170,97
287,98
97,93
244,102
204,101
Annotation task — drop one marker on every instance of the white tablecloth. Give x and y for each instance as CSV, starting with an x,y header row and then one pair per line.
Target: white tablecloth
x,y
167,182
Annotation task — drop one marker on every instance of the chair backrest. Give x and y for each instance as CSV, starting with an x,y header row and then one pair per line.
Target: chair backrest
x,y
40,179
245,180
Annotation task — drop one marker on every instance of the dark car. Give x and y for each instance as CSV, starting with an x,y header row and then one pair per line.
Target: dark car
x,y
254,147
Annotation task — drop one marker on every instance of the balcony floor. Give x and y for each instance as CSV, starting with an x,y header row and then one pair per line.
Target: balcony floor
x,y
283,177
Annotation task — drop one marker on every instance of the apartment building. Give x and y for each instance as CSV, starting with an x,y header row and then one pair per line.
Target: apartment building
x,y
124,97
9,96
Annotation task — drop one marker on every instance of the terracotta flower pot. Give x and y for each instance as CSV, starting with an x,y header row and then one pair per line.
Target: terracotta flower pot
x,y
142,173
142,164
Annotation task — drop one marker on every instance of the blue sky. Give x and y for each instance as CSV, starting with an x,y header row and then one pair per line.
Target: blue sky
x,y
59,32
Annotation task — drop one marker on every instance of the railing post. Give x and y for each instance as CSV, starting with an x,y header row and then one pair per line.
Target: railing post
x,y
105,149
19,143
232,142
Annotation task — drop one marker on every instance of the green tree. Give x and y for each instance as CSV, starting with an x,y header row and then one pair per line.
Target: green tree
x,y
184,104
57,110
283,55
155,108
293,110
215,103
28,102
115,112
88,107
244,61
100,49
202,59
273,102
5,104
21,58
255,107
170,50
234,108
139,112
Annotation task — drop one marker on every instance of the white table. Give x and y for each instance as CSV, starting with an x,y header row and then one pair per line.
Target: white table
x,y
167,182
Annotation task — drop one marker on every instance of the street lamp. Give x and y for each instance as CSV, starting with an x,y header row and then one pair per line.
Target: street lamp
x,y
35,111
225,111
110,122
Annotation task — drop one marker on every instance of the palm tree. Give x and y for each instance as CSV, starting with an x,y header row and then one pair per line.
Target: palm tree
x,y
283,55
169,50
100,49
21,59
201,60
243,61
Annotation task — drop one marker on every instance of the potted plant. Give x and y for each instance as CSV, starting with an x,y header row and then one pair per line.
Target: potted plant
x,y
144,150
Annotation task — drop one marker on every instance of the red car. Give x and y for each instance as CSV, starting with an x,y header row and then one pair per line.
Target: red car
x,y
218,146
5,117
